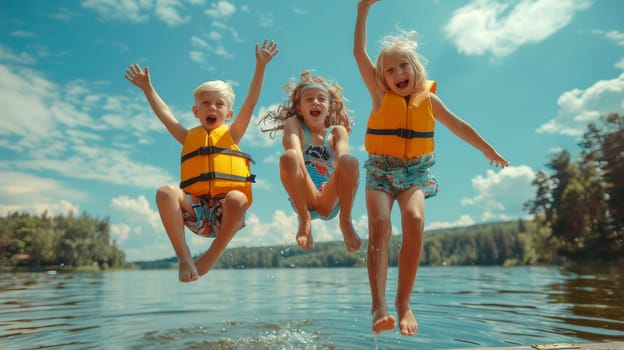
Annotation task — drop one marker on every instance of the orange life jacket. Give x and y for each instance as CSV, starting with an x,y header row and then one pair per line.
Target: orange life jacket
x,y
212,164
402,129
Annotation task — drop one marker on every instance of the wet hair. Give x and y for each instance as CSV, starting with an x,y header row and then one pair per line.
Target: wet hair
x,y
403,43
338,113
218,86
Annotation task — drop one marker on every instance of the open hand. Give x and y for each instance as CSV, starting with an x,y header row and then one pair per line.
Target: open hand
x,y
138,76
265,53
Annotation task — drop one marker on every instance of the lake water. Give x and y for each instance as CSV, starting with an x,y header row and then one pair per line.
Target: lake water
x,y
456,307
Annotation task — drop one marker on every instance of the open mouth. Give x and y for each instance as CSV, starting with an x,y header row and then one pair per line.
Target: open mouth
x,y
315,112
210,120
402,84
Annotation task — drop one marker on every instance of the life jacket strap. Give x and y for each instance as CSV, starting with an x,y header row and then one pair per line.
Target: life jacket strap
x,y
207,150
217,176
404,133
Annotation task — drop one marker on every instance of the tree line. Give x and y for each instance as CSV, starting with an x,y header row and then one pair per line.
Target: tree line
x,y
582,202
52,242
500,243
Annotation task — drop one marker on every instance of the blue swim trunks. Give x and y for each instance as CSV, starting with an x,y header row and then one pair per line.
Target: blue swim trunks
x,y
393,175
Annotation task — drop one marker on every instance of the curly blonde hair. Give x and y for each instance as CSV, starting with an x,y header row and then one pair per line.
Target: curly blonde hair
x,y
338,113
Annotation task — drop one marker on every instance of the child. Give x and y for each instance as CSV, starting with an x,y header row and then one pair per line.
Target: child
x,y
316,169
399,141
215,191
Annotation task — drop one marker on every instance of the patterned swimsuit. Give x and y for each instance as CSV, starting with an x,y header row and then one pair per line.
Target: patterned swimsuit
x,y
320,163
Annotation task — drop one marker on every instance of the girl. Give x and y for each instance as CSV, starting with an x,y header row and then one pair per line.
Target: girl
x,y
399,140
316,169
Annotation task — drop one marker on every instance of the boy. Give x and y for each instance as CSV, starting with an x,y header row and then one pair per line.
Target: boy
x,y
214,201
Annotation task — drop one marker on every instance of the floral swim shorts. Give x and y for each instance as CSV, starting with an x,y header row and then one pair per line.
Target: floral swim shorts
x,y
393,175
207,213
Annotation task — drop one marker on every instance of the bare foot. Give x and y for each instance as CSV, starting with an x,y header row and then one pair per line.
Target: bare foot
x,y
204,263
304,235
382,321
407,322
351,238
187,272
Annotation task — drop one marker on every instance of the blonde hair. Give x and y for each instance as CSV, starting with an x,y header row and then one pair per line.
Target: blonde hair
x,y
218,86
338,113
405,43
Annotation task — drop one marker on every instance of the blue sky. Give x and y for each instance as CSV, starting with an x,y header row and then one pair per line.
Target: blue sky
x,y
76,136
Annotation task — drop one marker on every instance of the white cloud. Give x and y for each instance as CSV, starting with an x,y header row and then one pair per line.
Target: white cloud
x,y
197,56
617,37
265,19
22,92
198,42
23,34
220,50
168,11
25,192
464,220
62,135
578,107
7,55
139,11
64,14
282,230
498,28
120,232
138,208
133,11
298,10
262,184
221,10
502,194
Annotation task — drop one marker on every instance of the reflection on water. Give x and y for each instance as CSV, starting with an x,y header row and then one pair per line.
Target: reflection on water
x,y
307,309
592,296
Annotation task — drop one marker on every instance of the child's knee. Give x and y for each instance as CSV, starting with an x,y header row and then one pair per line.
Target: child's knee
x,y
289,158
349,162
416,219
235,201
166,192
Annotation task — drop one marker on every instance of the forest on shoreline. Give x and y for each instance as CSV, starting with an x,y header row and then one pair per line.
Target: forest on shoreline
x,y
577,216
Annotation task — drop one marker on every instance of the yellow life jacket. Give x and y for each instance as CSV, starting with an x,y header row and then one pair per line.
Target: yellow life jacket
x,y
212,164
401,129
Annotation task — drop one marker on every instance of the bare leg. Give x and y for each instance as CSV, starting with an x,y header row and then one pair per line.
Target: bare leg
x,y
348,174
234,208
295,181
170,200
379,206
412,204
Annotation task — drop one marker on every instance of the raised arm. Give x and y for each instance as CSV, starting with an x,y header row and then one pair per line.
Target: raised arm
x,y
465,131
264,54
364,62
141,79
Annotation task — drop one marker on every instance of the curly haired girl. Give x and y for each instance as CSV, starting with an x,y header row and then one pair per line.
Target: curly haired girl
x,y
316,169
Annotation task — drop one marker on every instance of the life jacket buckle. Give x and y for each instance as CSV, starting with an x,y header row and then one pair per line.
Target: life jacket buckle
x,y
406,133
